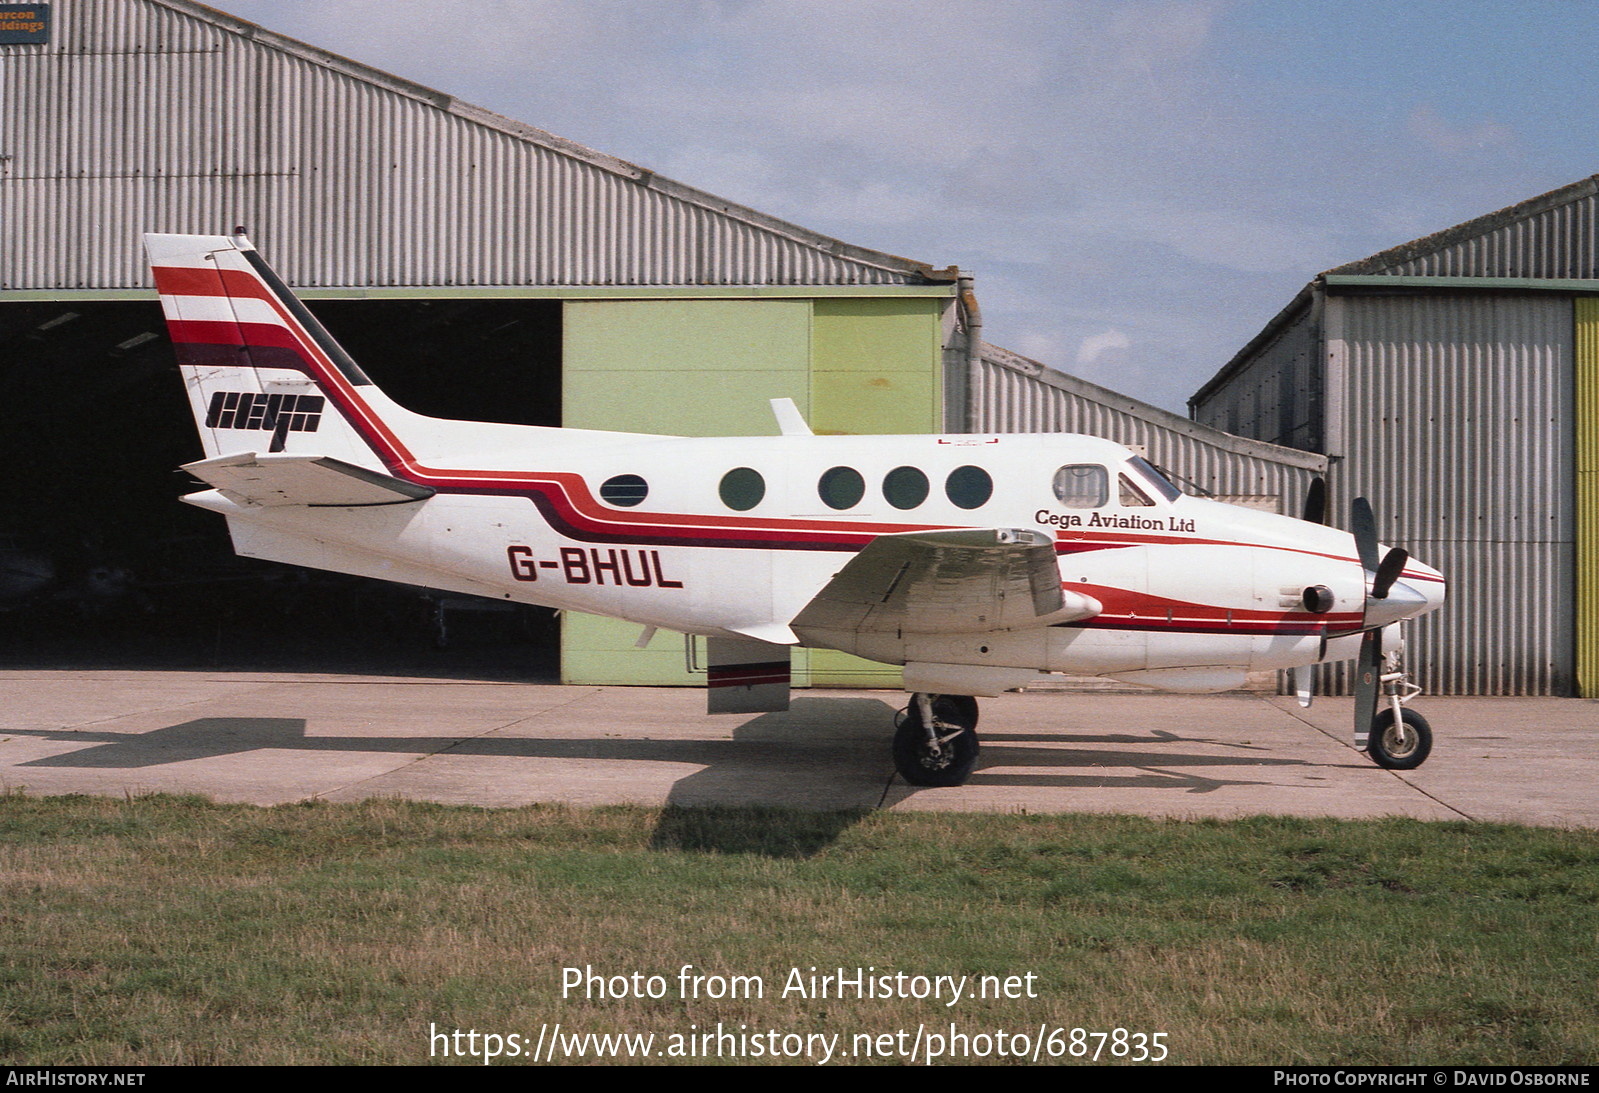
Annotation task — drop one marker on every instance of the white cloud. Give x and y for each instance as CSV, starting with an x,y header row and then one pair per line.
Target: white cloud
x,y
1103,350
1438,135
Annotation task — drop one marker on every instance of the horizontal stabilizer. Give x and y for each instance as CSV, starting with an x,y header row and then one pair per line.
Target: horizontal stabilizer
x,y
961,581
317,481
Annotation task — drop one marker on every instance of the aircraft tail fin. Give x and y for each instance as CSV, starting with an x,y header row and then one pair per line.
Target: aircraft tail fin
x,y
262,373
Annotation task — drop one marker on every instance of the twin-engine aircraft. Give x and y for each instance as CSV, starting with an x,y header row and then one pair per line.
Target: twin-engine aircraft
x,y
977,562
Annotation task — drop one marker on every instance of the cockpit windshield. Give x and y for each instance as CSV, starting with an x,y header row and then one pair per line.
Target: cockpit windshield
x,y
1154,478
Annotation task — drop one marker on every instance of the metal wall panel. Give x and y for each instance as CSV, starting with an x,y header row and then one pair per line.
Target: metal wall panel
x,y
1455,414
1017,395
1276,397
161,115
1458,427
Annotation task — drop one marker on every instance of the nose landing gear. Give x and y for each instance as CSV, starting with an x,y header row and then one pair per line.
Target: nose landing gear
x,y
1399,738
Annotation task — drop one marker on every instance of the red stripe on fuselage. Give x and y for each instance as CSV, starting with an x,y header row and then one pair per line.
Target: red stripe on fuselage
x,y
564,496
1110,540
1126,609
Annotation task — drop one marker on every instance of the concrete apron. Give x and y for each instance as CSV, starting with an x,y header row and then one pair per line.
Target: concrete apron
x,y
267,738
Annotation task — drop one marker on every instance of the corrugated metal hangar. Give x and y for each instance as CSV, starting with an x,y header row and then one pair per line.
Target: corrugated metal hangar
x,y
478,268
1454,380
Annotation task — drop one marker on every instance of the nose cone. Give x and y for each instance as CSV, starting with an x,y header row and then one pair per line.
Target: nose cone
x,y
1419,589
1428,582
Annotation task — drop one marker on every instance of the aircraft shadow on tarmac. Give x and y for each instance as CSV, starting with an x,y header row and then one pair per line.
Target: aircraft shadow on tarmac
x,y
825,754
774,747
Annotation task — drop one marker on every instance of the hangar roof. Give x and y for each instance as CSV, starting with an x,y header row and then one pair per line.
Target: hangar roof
x,y
1549,237
167,115
1550,241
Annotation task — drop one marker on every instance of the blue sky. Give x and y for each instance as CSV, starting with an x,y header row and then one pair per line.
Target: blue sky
x,y
1138,186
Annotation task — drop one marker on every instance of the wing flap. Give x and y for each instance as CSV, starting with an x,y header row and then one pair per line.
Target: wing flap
x,y
966,581
311,480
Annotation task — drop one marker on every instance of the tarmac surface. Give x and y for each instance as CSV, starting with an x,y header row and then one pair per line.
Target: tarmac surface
x,y
268,738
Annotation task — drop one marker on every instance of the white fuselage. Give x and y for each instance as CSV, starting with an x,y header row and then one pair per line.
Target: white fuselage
x,y
1194,592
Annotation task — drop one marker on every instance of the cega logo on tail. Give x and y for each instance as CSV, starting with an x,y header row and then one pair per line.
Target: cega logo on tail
x,y
251,410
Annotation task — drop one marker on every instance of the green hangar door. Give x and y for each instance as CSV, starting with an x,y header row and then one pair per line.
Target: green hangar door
x,y
857,361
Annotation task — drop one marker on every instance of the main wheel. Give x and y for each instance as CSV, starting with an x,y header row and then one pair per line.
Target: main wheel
x,y
965,707
1402,746
949,764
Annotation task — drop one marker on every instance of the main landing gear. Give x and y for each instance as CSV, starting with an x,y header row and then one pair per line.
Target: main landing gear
x,y
935,740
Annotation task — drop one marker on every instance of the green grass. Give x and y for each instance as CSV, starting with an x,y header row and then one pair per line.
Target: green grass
x,y
172,930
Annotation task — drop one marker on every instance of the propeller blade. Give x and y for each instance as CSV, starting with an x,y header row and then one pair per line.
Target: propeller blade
x,y
1364,525
1304,678
1316,501
1368,669
1393,564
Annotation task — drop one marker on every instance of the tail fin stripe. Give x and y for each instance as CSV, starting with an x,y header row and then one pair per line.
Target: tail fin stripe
x,y
210,281
239,286
201,332
249,335
308,322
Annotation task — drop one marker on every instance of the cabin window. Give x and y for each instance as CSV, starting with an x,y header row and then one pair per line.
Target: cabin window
x,y
625,490
742,489
1082,485
905,487
968,487
842,488
1131,495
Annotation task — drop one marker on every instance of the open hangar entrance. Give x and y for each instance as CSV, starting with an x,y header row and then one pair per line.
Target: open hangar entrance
x,y
459,239
101,563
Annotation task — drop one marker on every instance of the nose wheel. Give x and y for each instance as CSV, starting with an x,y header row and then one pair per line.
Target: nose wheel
x,y
1401,743
1397,737
935,741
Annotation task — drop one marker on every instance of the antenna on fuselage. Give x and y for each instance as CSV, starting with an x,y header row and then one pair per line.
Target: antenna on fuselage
x,y
790,422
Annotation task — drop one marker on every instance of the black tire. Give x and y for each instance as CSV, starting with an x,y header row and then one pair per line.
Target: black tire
x,y
1389,751
965,707
954,764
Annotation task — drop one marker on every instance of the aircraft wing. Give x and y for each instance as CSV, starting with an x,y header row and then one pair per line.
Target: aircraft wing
x,y
961,581
313,480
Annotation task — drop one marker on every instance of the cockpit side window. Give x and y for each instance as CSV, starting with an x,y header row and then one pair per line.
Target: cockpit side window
x,y
1149,474
1131,495
1082,485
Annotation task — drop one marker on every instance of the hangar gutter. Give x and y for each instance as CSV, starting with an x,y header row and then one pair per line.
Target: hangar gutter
x,y
517,292
1488,284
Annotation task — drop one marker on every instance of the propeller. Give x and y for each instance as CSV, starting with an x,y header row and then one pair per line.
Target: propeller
x,y
1314,512
1316,501
1303,678
1367,667
1383,606
1393,564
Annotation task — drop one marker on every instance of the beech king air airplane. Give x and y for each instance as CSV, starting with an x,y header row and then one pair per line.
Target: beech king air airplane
x,y
977,562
